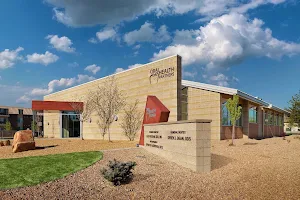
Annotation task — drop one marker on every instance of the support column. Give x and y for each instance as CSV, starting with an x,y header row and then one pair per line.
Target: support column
x,y
260,114
245,115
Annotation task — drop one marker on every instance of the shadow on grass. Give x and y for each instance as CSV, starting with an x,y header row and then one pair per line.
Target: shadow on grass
x,y
46,147
218,161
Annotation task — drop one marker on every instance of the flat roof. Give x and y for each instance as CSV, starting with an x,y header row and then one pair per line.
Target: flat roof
x,y
231,91
13,110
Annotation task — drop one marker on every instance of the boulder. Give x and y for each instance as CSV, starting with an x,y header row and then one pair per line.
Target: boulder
x,y
23,141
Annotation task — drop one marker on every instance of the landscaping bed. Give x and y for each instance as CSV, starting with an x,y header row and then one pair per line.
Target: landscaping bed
x,y
59,146
20,172
253,169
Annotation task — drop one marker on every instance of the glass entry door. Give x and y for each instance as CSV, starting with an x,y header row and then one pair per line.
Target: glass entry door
x,y
70,125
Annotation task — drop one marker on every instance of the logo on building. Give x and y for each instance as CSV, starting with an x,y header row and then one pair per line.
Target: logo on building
x,y
150,113
156,74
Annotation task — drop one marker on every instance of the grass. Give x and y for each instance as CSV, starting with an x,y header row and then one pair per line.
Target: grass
x,y
27,171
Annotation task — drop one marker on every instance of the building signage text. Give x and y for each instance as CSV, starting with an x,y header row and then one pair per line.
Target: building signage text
x,y
156,74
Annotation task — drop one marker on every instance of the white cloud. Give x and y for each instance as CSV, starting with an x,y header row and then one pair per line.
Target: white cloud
x,y
87,13
61,43
62,83
228,40
136,47
147,33
93,40
129,67
9,57
44,59
220,79
187,74
93,68
106,33
73,64
119,70
23,99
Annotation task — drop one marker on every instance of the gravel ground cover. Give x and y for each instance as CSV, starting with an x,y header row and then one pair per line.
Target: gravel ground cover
x,y
265,169
59,146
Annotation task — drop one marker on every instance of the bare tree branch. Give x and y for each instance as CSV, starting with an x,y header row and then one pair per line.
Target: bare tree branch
x,y
107,100
132,120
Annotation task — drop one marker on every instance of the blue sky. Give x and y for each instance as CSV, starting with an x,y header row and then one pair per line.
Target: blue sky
x,y
46,46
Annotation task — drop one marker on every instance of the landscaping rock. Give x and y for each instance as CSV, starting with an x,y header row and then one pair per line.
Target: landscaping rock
x,y
23,141
7,143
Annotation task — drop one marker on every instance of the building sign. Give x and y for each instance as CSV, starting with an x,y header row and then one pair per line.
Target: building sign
x,y
156,74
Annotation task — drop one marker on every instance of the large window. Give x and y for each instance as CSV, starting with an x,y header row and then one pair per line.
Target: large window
x,y
226,117
280,120
2,120
271,119
184,104
3,111
276,120
253,115
266,118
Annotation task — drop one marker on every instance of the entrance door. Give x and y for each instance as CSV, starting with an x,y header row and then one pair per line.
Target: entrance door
x,y
70,125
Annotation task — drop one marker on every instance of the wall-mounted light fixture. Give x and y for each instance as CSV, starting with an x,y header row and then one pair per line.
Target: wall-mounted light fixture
x,y
48,124
90,120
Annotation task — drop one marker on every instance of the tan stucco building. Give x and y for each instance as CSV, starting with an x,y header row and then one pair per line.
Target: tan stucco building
x,y
185,100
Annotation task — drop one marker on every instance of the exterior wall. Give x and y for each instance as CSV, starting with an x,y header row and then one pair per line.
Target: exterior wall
x,y
203,104
271,130
226,131
186,143
51,123
253,130
136,84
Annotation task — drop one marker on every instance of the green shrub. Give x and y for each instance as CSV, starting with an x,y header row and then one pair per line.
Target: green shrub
x,y
118,172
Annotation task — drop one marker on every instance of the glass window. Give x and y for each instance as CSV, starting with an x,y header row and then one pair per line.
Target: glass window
x,y
266,118
226,117
20,112
276,120
2,120
271,119
253,115
3,111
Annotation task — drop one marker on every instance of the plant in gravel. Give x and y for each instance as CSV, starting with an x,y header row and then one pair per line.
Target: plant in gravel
x,y
118,172
235,112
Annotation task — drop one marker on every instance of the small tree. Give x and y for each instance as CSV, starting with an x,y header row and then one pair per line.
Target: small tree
x,y
132,120
8,126
235,113
84,111
294,109
34,126
107,100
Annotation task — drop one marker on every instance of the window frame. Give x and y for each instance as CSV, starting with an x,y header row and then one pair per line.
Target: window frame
x,y
254,110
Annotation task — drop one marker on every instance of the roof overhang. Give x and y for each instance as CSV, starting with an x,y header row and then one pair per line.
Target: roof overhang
x,y
56,105
231,91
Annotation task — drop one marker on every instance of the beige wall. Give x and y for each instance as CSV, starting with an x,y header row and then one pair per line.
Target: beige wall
x,y
135,83
186,143
203,104
51,123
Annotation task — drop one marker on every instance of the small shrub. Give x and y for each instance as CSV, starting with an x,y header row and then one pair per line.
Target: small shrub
x,y
118,172
1,144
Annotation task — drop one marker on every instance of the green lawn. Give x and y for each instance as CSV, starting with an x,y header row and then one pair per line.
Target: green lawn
x,y
19,172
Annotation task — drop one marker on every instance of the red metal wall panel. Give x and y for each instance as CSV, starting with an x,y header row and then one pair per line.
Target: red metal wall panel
x,y
54,105
155,112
